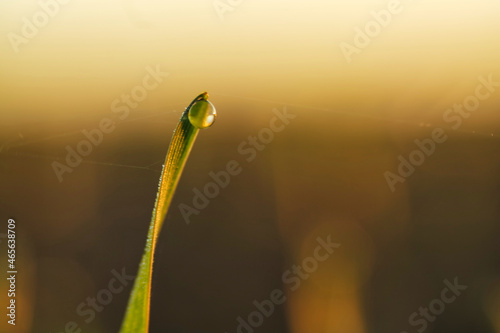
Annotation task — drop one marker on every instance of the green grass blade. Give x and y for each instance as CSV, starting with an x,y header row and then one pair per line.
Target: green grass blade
x,y
197,113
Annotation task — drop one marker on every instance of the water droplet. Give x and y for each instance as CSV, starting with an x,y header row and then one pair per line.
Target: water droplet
x,y
202,114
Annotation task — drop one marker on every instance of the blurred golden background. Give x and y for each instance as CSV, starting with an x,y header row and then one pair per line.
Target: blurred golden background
x,y
360,81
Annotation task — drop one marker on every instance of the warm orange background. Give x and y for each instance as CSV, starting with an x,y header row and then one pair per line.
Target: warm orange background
x,y
323,175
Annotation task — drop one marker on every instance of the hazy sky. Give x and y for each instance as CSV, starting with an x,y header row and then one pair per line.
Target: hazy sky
x,y
90,52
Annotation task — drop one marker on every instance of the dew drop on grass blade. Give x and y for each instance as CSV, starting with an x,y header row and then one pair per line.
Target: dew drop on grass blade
x,y
198,115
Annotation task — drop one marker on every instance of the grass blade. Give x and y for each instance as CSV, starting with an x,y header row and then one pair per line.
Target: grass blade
x,y
199,114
